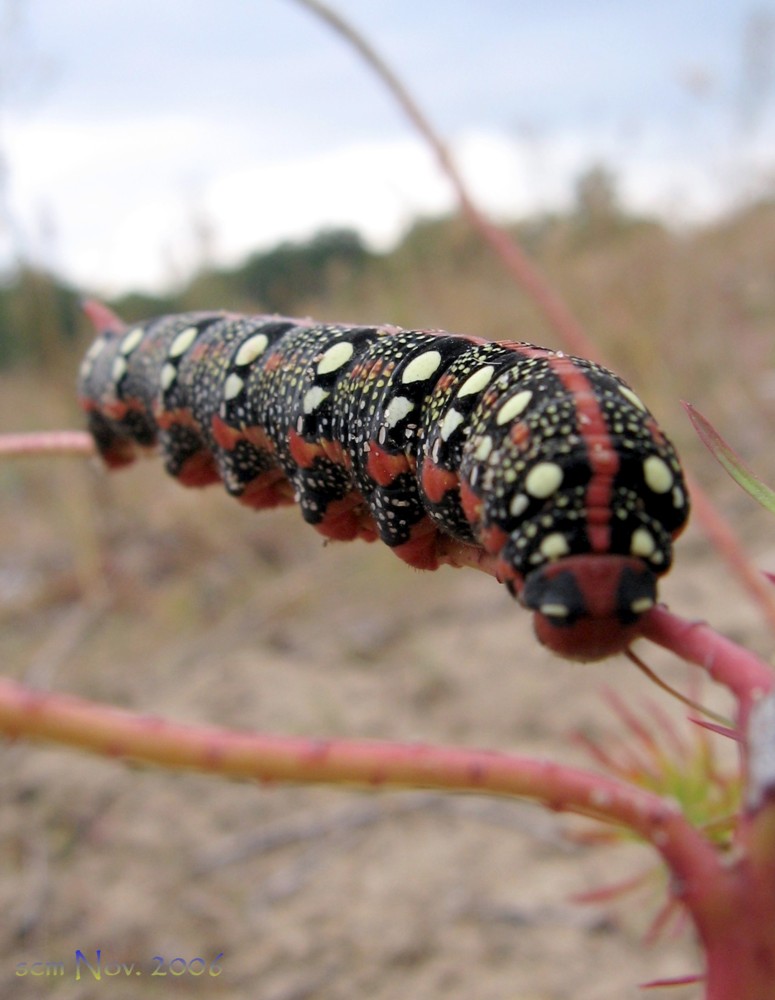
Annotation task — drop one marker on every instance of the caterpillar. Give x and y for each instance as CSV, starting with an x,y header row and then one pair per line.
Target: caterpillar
x,y
547,467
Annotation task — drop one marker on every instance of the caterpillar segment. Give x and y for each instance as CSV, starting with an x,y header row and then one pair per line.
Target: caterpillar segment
x,y
547,467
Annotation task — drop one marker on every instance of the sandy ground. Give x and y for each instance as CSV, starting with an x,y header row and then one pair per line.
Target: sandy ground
x,y
207,612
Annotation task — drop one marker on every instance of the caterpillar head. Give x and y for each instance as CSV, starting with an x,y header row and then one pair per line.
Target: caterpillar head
x,y
588,606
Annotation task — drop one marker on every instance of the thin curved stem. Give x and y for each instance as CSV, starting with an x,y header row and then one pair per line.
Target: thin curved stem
x,y
746,676
113,732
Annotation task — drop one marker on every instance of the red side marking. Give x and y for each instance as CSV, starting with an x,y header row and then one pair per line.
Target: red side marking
x,y
505,572
273,361
120,452
493,539
470,502
383,467
421,551
227,437
175,418
303,452
437,482
347,519
335,453
258,437
445,382
520,435
270,489
116,410
199,470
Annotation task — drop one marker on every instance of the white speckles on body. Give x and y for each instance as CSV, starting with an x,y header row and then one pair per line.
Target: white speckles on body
x,y
182,342
335,357
398,408
232,387
657,474
543,480
477,381
253,348
421,368
131,341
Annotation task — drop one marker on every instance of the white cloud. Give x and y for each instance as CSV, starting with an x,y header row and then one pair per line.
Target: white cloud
x,y
124,200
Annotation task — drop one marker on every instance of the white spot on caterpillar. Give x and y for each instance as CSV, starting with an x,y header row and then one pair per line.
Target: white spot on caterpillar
x,y
96,348
422,367
642,543
554,610
477,381
518,505
641,604
450,423
543,480
232,387
168,375
182,342
397,409
131,341
313,398
657,474
513,407
118,370
91,355
554,546
678,497
627,392
335,357
253,348
483,449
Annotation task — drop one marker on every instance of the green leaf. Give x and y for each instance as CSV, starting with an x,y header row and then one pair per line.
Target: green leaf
x,y
727,457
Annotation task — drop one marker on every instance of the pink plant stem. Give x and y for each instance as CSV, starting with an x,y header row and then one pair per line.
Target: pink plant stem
x,y
47,443
267,758
742,673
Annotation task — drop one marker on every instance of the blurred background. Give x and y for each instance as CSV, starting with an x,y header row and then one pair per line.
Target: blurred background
x,y
166,157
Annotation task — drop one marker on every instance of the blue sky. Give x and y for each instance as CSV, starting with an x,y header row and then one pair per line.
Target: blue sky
x,y
127,127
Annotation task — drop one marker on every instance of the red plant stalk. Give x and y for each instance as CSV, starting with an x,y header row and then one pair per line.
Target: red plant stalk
x,y
733,909
46,443
113,732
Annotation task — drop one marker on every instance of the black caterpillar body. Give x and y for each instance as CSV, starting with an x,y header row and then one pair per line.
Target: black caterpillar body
x,y
547,468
